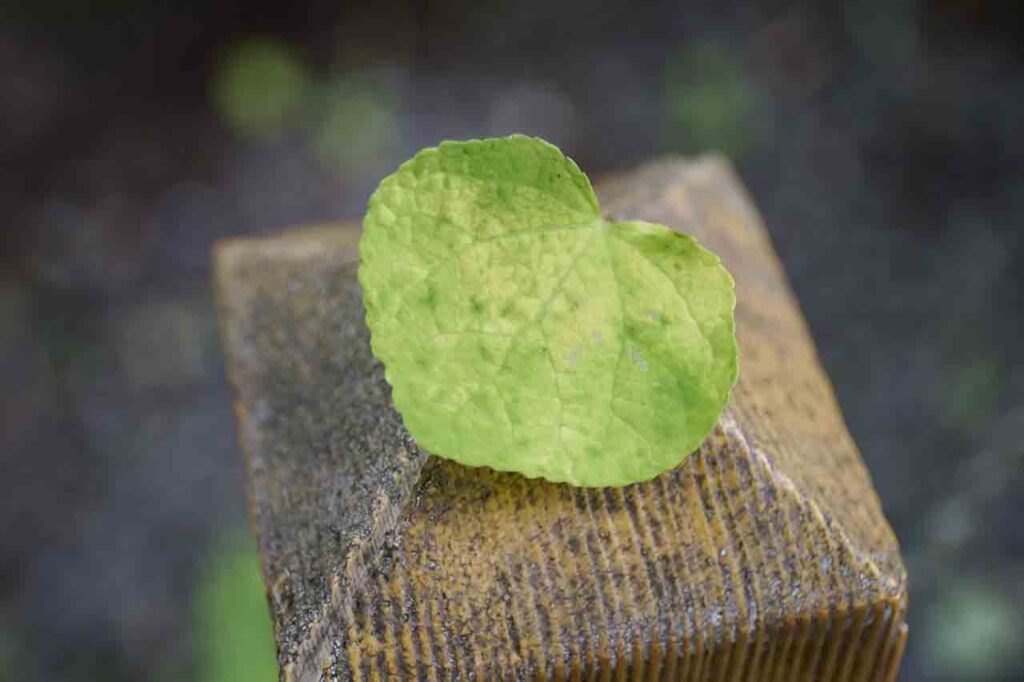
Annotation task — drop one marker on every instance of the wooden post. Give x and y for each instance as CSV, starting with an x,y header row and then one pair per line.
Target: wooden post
x,y
763,556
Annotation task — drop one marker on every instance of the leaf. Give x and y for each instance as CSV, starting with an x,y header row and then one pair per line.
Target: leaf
x,y
522,331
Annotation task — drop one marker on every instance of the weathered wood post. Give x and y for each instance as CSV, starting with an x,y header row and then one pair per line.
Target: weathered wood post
x,y
763,556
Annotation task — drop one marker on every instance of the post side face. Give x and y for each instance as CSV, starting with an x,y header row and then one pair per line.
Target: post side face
x,y
783,393
326,452
763,555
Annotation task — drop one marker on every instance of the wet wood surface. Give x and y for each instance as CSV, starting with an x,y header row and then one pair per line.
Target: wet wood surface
x,y
764,556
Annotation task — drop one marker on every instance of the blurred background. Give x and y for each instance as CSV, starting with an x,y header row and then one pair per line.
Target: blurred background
x,y
881,140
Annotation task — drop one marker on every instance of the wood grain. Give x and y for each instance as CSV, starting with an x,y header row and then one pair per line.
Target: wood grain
x,y
763,556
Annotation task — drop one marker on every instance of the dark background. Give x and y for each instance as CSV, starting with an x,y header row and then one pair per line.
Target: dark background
x,y
881,140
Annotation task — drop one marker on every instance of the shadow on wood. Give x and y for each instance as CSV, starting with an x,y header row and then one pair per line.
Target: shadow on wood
x,y
763,556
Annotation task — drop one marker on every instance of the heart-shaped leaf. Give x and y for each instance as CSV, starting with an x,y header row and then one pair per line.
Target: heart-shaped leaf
x,y
522,331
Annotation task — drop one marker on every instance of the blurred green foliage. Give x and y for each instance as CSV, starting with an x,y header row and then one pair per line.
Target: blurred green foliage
x,y
10,648
974,390
258,86
350,119
884,31
235,641
974,632
356,123
711,104
973,377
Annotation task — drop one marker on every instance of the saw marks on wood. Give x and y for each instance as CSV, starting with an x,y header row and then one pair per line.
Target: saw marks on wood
x,y
763,556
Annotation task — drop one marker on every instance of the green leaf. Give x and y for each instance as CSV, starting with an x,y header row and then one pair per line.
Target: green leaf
x,y
522,331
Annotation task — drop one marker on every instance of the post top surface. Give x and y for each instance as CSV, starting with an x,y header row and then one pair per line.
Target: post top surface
x,y
369,545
